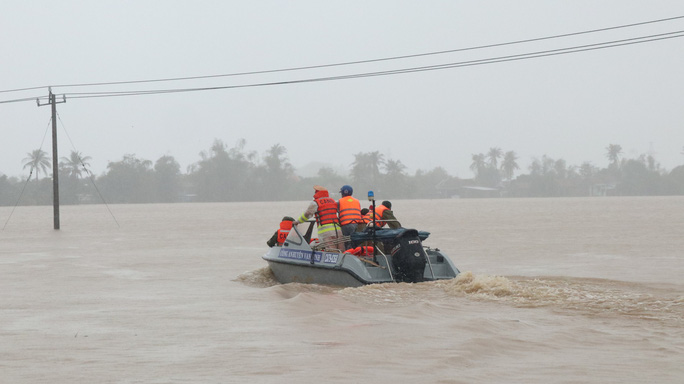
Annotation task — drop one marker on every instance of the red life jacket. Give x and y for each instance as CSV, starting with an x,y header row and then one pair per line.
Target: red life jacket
x,y
362,251
350,210
327,211
284,230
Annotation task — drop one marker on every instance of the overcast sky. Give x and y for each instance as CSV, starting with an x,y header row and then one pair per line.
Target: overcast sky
x,y
565,106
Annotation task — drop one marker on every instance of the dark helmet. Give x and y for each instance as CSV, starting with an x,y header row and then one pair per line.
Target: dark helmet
x,y
346,190
387,204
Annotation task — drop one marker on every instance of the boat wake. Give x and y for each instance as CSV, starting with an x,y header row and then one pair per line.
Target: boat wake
x,y
587,296
579,295
591,297
260,278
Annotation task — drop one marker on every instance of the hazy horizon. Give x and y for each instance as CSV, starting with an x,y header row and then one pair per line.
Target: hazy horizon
x,y
569,106
312,168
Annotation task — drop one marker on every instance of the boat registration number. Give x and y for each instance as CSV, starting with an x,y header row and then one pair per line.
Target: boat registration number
x,y
318,257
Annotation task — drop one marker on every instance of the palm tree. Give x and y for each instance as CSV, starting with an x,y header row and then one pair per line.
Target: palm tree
x,y
509,164
366,167
394,168
39,160
494,154
478,164
73,163
395,181
613,152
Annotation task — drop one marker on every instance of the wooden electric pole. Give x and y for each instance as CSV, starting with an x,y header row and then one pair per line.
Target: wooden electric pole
x,y
55,163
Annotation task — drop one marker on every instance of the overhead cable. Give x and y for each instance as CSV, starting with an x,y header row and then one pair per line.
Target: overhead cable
x,y
500,59
361,61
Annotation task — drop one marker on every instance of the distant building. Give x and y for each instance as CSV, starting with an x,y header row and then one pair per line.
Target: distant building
x,y
473,191
601,189
449,188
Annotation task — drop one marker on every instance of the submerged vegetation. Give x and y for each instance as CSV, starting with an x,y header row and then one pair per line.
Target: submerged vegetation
x,y
235,174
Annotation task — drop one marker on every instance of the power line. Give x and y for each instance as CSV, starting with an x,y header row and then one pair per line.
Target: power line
x,y
492,60
382,59
20,100
500,59
22,89
631,25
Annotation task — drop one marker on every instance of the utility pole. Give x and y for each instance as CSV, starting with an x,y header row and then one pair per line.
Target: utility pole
x,y
55,165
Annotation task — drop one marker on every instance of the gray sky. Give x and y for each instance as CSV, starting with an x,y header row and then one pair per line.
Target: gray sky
x,y
566,106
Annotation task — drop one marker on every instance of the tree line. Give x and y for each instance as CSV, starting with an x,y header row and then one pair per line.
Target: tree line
x,y
236,174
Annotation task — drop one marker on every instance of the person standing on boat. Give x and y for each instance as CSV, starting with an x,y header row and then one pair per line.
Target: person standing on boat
x,y
281,234
325,210
350,212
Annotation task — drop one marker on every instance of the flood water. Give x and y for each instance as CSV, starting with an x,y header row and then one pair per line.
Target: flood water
x,y
586,290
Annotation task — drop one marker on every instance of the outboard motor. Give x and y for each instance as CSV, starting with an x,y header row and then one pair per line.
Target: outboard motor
x,y
408,257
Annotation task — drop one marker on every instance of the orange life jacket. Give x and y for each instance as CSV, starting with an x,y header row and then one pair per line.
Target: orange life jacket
x,y
379,210
350,210
284,230
327,211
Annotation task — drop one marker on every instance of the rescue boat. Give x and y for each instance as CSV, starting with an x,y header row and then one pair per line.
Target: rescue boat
x,y
376,256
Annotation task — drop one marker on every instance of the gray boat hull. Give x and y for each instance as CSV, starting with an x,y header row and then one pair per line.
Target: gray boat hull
x,y
296,262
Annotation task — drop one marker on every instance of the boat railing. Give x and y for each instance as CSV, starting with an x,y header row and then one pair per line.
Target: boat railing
x,y
300,239
427,257
389,268
340,240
